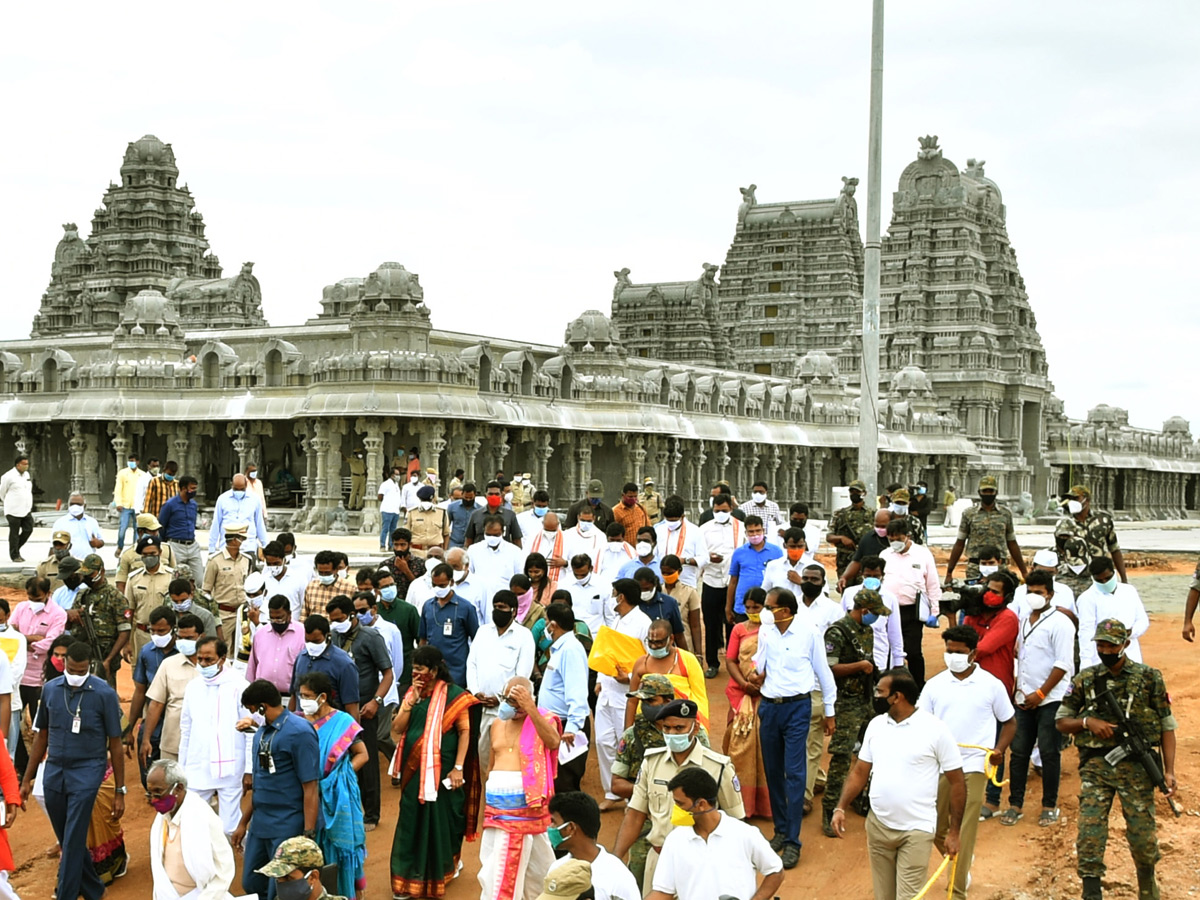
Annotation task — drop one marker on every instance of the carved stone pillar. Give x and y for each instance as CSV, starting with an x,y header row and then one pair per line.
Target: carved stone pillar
x,y
499,451
584,442
785,475
180,444
373,430
774,459
543,449
240,441
722,460
567,478
318,486
637,455
77,444
433,443
674,458
196,460
300,429
699,458
338,429
26,438
816,478
471,444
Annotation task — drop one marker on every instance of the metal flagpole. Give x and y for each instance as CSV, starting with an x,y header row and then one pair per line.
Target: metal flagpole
x,y
868,416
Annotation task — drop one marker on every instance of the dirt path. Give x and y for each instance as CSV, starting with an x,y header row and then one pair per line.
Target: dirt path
x,y
1020,863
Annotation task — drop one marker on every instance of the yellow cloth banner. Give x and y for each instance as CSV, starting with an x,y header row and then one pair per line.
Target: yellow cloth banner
x,y
611,648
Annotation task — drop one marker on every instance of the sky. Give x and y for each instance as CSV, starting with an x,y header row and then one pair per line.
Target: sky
x,y
516,154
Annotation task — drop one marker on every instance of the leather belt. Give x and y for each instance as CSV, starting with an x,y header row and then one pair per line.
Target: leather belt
x,y
225,607
795,698
179,541
142,627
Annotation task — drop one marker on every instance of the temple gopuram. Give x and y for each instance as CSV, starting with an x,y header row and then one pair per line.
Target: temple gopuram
x,y
747,371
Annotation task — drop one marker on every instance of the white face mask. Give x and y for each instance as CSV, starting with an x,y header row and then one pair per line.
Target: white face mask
x,y
674,524
644,548
493,540
957,662
1074,507
648,595
585,527
273,571
985,571
460,575
550,536
341,627
508,497
413,480
900,509
327,579
309,707
75,510
426,504
1037,602
37,607
759,497
251,475
442,592
76,680
160,640
721,517
314,649
897,546
582,582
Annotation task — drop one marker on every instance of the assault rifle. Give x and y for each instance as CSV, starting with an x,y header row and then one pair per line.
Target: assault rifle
x,y
1134,745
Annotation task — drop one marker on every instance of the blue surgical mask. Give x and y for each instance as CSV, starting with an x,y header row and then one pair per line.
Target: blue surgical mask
x,y
660,652
388,593
870,618
167,476
210,671
366,618
186,646
239,495
872,584
678,743
1110,586
540,511
505,710
132,464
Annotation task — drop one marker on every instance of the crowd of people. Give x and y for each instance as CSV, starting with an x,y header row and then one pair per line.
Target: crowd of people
x,y
481,664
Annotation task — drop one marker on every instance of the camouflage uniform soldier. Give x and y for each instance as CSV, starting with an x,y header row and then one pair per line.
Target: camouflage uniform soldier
x,y
900,510
849,524
1082,534
654,691
850,646
1140,690
101,617
986,524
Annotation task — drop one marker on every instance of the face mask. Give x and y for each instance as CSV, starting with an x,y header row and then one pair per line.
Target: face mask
x,y
442,592
957,662
396,478
985,571
1109,659
555,835
670,577
62,554
585,527
273,571
810,590
896,546
413,479
37,607
644,548
1110,586
168,477
151,560
132,464
460,575
492,540
75,510
660,652
186,646
759,497
756,540
872,583
882,532
189,494
502,618
1074,507
505,710
299,889
327,579
799,523
766,617
426,505
58,662
160,640
678,743
870,618
508,497
210,672
183,605
992,600
494,501
987,499
164,804
75,680
900,509
366,617
673,524
628,502
540,511
721,517
756,618
239,495
341,627
280,627
154,471
880,705
856,498
388,593
1037,602
313,649
309,707
681,818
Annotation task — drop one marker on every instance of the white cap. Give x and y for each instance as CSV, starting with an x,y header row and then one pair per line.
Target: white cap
x,y
254,583
1046,558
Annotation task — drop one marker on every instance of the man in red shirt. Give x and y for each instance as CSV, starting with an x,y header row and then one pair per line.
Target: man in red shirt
x,y
997,627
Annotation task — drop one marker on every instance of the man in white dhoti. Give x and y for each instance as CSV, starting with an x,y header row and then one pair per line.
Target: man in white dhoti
x,y
213,753
190,859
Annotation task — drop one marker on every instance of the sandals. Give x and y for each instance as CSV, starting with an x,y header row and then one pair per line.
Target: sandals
x,y
986,812
1011,816
1048,817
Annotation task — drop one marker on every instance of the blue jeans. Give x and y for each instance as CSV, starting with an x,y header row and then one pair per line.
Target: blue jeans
x,y
783,736
390,522
1035,725
128,520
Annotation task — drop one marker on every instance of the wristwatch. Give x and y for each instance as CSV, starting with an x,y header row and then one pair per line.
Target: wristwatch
x,y
460,768
379,700
122,790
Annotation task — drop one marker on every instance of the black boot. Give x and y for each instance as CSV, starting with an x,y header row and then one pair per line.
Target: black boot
x,y
1091,888
1147,885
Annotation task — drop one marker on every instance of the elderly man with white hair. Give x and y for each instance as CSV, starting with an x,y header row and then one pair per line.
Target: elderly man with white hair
x,y
190,859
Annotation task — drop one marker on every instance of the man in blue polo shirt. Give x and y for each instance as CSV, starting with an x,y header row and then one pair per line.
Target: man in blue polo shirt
x,y
747,566
177,525
448,624
282,799
321,656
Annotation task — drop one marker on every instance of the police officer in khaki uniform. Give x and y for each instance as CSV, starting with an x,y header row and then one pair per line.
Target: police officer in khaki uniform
x,y
651,500
146,589
60,548
146,524
651,798
429,524
224,577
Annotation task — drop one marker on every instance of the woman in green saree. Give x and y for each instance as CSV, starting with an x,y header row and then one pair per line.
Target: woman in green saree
x,y
438,768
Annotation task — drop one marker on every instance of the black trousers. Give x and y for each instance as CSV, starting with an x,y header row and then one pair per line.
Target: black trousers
x,y
912,629
570,775
368,775
30,698
716,629
19,530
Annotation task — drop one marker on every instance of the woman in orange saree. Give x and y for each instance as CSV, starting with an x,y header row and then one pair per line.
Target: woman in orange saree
x,y
741,735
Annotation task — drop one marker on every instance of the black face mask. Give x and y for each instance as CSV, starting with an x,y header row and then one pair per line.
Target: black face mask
x,y
856,498
73,581
279,627
502,617
987,499
63,553
1110,659
880,705
799,523
810,590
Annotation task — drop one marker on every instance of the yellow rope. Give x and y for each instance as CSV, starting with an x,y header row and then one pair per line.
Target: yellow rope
x,y
952,862
990,769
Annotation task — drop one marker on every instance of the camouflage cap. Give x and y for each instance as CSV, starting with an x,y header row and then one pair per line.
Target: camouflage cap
x,y
1080,491
68,565
653,686
61,537
91,564
900,496
1111,631
567,880
148,522
871,601
857,485
294,853
989,482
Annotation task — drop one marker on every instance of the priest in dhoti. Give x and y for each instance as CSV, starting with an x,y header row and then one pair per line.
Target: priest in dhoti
x,y
190,859
213,753
515,852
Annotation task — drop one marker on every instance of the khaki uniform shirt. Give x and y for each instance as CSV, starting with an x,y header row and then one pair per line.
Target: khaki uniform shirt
x,y
224,577
652,503
650,794
131,560
428,527
685,595
48,568
172,677
145,591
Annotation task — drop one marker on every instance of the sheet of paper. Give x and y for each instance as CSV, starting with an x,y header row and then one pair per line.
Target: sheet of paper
x,y
566,754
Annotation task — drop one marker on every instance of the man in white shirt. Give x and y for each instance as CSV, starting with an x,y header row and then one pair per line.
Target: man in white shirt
x,y
531,520
546,538
1109,598
1045,667
584,536
589,598
1061,596
84,530
910,574
503,649
609,714
468,585
284,578
970,701
785,571
388,496
679,537
408,492
494,561
213,753
613,554
717,856
722,535
888,648
909,750
574,827
789,665
16,492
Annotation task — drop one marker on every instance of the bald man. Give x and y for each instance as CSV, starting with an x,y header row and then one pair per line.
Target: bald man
x,y
870,544
238,505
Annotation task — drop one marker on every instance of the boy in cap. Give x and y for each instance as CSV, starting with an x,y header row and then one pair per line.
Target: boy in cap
x,y
296,869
